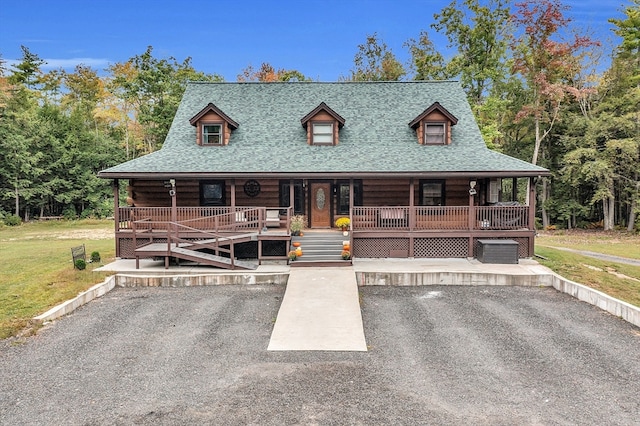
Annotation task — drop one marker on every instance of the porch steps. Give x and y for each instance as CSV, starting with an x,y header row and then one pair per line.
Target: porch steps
x,y
210,259
321,248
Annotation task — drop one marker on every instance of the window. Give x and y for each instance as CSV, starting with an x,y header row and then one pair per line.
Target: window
x,y
432,193
434,133
212,193
322,134
298,194
343,195
212,134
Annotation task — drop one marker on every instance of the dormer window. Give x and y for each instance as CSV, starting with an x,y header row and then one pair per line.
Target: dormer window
x,y
433,126
212,134
213,127
323,125
434,133
322,134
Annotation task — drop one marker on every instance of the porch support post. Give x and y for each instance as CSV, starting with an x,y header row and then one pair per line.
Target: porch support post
x,y
412,216
472,221
292,194
514,189
532,214
351,201
174,202
233,193
116,212
174,214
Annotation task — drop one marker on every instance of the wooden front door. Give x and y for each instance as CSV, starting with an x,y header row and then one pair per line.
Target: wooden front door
x,y
320,204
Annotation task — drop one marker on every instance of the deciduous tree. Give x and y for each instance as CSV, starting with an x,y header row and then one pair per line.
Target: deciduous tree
x,y
268,74
374,61
477,33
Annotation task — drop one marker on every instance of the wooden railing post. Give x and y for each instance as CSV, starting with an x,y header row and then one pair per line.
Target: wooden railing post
x,y
472,221
532,205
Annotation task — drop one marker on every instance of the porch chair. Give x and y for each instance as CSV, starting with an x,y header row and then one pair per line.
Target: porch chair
x,y
273,219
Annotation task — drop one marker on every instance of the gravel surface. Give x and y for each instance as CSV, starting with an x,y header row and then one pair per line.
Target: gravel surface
x,y
438,355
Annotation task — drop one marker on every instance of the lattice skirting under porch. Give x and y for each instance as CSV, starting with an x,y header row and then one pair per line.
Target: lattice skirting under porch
x,y
441,247
380,247
436,247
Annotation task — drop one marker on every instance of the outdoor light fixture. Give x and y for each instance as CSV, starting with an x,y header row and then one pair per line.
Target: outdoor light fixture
x,y
472,185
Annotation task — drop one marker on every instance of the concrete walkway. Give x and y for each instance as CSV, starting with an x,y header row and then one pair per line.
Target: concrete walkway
x,y
320,311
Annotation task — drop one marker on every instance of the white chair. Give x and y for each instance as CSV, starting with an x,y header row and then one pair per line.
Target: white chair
x,y
273,218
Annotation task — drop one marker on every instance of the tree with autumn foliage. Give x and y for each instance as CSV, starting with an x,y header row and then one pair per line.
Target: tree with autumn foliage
x,y
547,63
374,61
268,74
152,88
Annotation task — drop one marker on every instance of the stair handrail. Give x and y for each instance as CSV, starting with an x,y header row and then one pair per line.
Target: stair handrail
x,y
216,245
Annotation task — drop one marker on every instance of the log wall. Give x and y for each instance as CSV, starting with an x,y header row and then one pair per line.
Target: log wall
x,y
376,192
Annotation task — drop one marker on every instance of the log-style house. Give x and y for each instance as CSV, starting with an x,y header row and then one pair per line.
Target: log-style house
x,y
405,161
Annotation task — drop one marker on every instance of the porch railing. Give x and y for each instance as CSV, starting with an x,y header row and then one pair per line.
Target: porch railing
x,y
221,219
419,218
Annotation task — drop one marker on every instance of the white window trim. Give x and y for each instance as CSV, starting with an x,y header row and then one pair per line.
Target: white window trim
x,y
324,134
203,134
443,135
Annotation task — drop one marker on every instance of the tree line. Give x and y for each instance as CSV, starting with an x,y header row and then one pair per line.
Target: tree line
x,y
531,77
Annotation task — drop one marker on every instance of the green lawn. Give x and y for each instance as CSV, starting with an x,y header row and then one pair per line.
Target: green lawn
x,y
606,278
622,244
37,270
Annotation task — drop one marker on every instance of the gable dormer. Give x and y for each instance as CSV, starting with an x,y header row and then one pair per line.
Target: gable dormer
x,y
433,126
323,125
213,127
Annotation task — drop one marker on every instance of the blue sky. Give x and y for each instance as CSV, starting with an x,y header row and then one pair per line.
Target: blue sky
x,y
317,37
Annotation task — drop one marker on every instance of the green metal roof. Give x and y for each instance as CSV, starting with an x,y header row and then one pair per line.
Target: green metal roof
x,y
375,140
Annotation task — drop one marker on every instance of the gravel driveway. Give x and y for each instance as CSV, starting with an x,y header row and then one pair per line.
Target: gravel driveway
x,y
438,355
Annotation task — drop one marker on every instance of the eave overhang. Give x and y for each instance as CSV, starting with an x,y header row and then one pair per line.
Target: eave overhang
x,y
324,175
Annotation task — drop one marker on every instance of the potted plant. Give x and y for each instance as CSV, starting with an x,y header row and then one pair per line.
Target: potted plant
x,y
343,223
292,255
346,254
297,224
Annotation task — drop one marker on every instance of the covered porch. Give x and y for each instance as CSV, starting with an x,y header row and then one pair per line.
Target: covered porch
x,y
390,230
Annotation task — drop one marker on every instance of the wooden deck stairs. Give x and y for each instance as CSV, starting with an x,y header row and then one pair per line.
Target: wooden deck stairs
x,y
321,248
192,251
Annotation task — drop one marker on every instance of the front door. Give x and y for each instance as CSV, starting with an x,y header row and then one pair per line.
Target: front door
x,y
320,204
